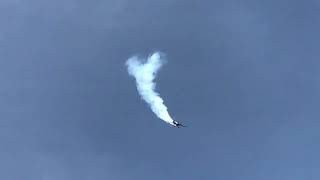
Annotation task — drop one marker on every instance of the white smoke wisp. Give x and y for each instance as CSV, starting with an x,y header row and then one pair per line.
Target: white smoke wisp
x,y
144,74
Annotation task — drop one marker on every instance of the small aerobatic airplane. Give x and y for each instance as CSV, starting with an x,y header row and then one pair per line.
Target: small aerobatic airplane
x,y
177,124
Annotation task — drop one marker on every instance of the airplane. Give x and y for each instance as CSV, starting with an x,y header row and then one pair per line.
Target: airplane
x,y
177,124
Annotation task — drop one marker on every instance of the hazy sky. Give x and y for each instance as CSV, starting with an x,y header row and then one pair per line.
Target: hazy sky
x,y
242,74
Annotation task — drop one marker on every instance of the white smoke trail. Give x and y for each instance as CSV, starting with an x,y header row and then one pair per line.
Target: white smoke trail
x,y
145,73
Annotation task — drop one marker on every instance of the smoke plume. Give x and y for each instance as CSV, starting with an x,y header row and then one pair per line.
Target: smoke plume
x,y
144,72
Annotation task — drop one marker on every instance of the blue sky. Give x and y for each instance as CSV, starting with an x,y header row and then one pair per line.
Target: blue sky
x,y
243,75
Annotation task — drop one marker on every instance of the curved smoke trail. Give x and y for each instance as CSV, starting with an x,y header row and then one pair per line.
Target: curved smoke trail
x,y
144,74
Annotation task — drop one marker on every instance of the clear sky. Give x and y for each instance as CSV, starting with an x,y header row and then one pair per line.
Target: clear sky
x,y
242,74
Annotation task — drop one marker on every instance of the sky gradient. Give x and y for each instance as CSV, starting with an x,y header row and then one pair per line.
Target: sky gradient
x,y
242,74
